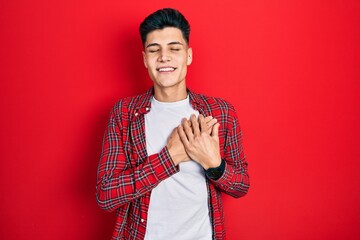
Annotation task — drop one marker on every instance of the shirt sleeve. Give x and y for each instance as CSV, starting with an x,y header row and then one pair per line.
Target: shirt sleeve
x,y
117,181
235,179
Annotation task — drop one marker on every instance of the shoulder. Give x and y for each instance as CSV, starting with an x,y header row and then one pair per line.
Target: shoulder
x,y
216,101
128,102
222,110
128,105
216,104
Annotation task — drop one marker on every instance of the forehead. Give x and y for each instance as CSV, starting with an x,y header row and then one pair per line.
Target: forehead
x,y
165,35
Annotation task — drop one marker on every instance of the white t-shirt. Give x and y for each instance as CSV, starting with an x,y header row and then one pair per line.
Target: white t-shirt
x,y
178,207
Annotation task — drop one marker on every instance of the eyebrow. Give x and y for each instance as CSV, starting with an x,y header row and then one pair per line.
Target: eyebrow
x,y
170,43
174,43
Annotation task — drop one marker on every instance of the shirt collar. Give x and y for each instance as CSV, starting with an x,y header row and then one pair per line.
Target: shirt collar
x,y
196,100
145,100
143,103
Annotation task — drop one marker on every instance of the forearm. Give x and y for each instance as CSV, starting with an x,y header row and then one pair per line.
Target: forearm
x,y
234,181
121,184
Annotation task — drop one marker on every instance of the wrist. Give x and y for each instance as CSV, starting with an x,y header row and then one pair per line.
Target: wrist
x,y
216,172
176,157
212,164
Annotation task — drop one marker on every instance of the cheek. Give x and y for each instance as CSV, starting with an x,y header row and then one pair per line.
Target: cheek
x,y
150,65
184,62
150,60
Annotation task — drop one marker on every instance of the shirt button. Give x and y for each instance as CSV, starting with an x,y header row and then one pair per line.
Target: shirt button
x,y
136,114
142,220
147,109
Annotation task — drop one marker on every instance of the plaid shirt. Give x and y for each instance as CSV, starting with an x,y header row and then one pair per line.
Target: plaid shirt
x,y
126,174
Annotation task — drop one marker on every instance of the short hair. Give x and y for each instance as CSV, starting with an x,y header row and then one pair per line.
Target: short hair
x,y
166,17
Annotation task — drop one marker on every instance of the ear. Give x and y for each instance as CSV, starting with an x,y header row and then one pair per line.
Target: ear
x,y
189,57
144,59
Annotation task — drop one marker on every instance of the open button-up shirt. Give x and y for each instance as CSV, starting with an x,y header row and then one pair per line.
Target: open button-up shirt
x,y
126,174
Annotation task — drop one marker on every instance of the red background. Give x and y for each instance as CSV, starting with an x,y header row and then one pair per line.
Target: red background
x,y
291,68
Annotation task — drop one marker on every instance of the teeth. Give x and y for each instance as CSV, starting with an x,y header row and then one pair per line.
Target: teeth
x,y
166,69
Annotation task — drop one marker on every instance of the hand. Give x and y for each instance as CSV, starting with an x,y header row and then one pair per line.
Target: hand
x,y
210,122
200,143
176,148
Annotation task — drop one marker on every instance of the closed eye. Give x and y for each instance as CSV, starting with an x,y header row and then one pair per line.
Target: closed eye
x,y
153,50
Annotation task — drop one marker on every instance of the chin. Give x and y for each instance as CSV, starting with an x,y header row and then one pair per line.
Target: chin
x,y
168,83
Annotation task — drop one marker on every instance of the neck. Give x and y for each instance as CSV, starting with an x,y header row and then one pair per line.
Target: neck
x,y
170,94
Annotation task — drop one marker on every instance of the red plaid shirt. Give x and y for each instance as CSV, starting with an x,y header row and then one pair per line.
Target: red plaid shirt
x,y
126,174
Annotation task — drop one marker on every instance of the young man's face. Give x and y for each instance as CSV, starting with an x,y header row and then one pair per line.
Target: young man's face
x,y
166,56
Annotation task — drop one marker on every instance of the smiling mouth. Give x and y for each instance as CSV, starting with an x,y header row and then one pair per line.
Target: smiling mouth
x,y
166,69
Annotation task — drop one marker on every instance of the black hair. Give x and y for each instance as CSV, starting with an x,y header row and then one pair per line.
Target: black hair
x,y
166,17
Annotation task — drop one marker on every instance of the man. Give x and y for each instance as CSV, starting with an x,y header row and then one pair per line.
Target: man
x,y
169,154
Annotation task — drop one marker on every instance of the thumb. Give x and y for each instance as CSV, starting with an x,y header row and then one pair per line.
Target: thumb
x,y
215,131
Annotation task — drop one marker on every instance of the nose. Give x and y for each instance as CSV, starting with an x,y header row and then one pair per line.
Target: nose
x,y
164,57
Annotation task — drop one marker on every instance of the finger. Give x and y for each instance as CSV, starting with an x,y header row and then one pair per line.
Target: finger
x,y
208,118
174,132
187,129
203,125
182,135
188,121
194,125
210,125
215,131
172,138
172,135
